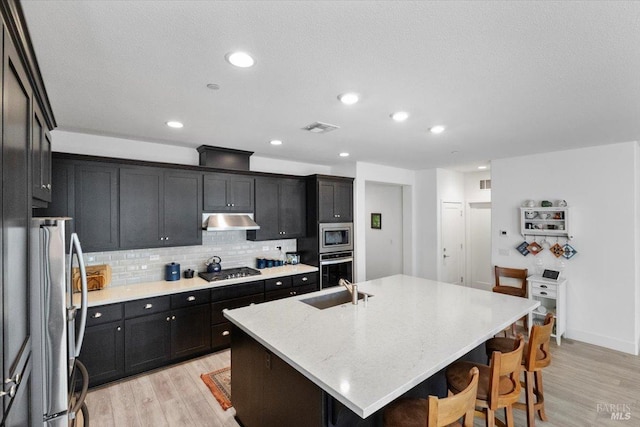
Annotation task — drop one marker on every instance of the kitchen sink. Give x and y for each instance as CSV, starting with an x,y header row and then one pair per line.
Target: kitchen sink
x,y
332,300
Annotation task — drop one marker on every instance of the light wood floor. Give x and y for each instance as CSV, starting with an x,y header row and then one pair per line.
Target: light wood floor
x,y
580,379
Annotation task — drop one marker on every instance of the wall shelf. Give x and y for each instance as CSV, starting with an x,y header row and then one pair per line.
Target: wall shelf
x,y
548,222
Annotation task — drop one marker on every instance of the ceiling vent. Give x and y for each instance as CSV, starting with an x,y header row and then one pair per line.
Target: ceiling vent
x,y
485,184
319,127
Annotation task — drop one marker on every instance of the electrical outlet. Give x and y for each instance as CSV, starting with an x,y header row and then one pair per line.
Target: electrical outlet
x,y
91,259
265,248
154,258
143,267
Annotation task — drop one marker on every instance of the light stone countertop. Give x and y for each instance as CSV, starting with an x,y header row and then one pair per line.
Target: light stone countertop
x,y
116,294
365,356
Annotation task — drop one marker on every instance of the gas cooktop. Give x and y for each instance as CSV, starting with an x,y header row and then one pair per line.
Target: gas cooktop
x,y
229,273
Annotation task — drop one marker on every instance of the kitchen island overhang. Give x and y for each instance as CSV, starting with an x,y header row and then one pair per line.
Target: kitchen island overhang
x,y
367,355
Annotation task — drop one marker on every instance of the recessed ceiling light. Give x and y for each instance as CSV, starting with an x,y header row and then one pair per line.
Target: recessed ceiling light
x,y
174,124
437,129
400,116
349,98
275,142
240,59
344,154
482,167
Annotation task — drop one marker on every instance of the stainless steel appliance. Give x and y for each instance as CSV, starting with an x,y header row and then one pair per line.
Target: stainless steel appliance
x,y
335,237
229,273
57,341
335,266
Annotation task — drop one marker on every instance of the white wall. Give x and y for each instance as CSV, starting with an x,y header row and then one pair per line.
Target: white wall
x,y
106,146
600,186
427,230
384,248
472,191
369,172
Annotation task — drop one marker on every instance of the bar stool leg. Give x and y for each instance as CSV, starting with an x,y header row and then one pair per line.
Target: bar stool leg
x,y
540,396
530,400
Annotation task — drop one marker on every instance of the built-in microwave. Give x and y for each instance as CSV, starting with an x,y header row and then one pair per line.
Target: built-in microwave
x,y
335,237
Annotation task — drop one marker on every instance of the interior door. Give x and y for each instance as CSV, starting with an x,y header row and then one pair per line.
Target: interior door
x,y
452,232
479,265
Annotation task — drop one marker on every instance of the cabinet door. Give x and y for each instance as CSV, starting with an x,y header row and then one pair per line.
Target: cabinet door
x,y
96,206
240,191
147,342
190,331
266,210
16,215
103,352
292,208
182,208
343,201
215,193
326,198
141,208
40,159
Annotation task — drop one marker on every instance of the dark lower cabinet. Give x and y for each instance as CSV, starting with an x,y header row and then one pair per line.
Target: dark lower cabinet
x,y
267,391
147,342
190,332
103,352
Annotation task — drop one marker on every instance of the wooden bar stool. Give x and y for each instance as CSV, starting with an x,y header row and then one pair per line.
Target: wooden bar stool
x,y
498,384
536,357
516,291
435,412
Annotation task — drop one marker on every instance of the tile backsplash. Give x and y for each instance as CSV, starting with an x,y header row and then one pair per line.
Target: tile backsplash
x,y
148,265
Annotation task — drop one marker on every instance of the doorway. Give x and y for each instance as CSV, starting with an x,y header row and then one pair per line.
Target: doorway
x,y
452,232
384,243
479,246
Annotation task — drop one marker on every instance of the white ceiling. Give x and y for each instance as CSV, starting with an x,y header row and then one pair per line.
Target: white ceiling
x,y
505,78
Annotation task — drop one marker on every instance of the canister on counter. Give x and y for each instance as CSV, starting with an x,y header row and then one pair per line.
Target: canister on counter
x,y
172,272
261,263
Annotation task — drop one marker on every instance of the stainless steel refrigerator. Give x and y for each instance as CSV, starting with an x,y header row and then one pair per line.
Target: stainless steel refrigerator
x,y
57,339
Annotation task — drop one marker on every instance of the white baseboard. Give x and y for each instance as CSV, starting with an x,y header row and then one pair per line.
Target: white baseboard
x,y
603,341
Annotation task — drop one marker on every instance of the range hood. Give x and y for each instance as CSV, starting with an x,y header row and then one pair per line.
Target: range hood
x,y
228,221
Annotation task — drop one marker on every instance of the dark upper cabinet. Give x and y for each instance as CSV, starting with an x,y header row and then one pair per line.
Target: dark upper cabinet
x,y
228,193
159,208
280,209
95,209
335,200
40,159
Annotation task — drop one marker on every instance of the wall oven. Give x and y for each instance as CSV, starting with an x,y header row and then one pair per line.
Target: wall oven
x,y
335,266
335,237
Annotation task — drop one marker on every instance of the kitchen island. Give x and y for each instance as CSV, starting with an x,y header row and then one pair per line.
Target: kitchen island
x,y
363,356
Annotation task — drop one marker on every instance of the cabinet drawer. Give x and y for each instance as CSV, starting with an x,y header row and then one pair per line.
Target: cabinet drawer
x,y
545,286
236,291
548,293
146,306
277,283
304,279
306,289
217,307
221,336
187,299
104,314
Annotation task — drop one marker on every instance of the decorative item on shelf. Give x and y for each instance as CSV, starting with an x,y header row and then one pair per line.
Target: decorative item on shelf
x,y
557,250
529,204
542,309
557,215
569,251
530,214
561,203
534,248
522,248
546,204
545,215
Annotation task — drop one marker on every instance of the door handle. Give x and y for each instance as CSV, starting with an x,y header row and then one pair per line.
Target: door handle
x,y
446,256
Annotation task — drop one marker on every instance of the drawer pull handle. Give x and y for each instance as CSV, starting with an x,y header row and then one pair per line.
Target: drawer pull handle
x,y
168,318
292,293
225,333
173,317
543,293
118,328
304,279
148,306
278,283
191,298
97,315
543,286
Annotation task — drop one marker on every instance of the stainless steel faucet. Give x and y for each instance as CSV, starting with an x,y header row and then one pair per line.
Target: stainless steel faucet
x,y
352,288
